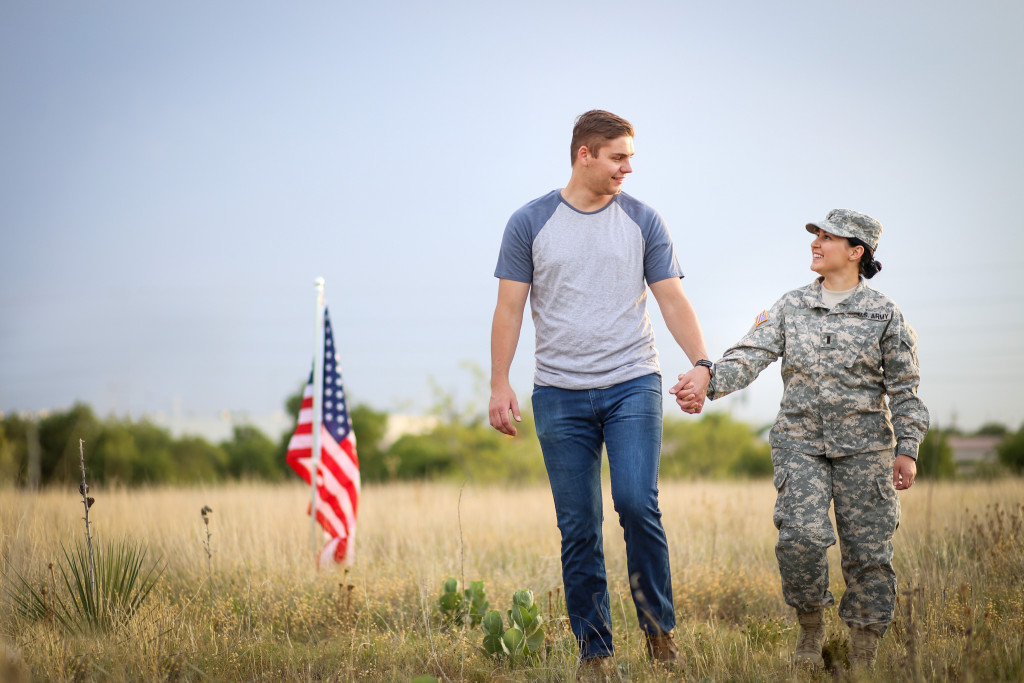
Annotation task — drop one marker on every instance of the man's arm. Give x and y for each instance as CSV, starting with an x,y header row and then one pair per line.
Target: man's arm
x,y
681,319
508,321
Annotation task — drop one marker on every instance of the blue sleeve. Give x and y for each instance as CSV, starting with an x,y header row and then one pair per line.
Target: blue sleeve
x,y
660,261
515,260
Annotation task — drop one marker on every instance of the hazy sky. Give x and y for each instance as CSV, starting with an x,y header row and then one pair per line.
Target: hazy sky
x,y
174,176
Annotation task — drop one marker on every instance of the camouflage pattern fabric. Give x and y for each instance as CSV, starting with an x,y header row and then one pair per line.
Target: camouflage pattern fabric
x,y
867,515
849,223
838,367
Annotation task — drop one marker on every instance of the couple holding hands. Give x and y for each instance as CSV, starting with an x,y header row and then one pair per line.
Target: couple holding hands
x,y
847,432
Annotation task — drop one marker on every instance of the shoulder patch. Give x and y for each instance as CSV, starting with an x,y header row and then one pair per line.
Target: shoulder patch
x,y
762,317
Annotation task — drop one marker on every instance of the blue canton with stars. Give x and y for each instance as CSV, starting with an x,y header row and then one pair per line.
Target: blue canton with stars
x,y
335,410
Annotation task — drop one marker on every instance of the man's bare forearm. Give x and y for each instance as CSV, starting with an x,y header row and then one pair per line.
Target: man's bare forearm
x,y
680,318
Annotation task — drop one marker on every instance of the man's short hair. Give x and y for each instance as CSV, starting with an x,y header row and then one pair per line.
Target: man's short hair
x,y
595,127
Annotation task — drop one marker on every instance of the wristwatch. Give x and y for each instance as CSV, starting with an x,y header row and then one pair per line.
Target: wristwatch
x,y
705,363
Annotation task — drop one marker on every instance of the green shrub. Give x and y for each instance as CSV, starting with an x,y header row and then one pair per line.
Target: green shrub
x,y
465,608
935,456
1011,451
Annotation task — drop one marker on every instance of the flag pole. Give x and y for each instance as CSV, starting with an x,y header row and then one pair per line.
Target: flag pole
x,y
318,392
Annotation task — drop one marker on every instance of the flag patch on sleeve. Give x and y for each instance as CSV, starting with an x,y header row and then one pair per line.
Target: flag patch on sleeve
x,y
762,317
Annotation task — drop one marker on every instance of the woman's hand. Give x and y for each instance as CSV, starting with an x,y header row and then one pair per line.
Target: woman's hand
x,y
691,389
904,472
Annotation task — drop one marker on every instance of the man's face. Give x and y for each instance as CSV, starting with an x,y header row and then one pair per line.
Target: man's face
x,y
606,171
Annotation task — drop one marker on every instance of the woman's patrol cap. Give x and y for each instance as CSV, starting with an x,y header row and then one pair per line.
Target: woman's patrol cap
x,y
850,223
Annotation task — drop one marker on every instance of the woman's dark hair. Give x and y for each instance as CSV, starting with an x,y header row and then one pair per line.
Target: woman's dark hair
x,y
869,267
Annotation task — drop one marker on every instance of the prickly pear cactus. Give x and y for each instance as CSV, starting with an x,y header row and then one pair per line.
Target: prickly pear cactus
x,y
453,604
493,629
467,607
515,643
524,637
524,615
476,599
524,598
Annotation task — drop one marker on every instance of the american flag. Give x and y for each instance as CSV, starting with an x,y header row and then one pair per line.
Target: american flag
x,y
337,476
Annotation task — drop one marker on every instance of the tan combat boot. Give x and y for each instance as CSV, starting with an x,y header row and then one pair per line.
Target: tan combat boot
x,y
812,637
863,648
662,649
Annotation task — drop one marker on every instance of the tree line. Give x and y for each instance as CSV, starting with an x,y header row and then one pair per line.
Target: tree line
x,y
461,446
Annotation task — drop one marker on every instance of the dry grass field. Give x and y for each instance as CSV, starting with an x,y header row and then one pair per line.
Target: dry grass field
x,y
259,610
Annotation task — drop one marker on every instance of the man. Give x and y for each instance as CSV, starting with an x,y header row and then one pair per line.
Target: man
x,y
583,255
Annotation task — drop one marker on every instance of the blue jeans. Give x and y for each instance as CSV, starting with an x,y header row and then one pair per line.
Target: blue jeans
x,y
571,427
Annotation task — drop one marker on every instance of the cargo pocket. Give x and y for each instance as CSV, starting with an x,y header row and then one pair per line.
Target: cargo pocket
x,y
779,479
888,502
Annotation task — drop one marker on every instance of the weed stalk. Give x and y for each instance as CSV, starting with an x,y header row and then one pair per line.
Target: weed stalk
x,y
53,595
911,616
83,488
462,547
206,512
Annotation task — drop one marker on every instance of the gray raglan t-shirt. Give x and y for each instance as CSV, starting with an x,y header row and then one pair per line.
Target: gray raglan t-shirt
x,y
588,276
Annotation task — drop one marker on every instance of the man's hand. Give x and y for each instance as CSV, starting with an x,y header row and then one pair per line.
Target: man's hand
x,y
508,320
904,471
504,401
691,389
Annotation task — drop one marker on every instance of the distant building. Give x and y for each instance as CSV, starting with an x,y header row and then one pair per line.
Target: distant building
x,y
400,425
971,451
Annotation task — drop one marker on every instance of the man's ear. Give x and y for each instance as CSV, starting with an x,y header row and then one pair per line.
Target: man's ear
x,y
583,154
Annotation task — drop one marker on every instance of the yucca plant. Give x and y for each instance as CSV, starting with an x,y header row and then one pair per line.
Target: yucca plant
x,y
122,583
98,595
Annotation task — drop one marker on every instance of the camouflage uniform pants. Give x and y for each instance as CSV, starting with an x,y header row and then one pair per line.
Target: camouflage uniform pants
x,y
867,512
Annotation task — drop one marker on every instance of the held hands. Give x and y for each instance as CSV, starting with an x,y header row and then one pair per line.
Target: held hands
x,y
503,401
691,390
904,471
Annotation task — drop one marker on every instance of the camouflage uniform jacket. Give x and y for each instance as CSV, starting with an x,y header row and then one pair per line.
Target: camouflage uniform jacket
x,y
838,367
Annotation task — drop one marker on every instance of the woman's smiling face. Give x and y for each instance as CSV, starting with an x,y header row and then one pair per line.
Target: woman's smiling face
x,y
831,254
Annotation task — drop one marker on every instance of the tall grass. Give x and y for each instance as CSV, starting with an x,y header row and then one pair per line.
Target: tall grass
x,y
89,596
959,556
95,597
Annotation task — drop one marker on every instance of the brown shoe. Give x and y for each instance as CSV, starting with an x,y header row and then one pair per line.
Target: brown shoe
x,y
812,637
662,649
598,669
863,647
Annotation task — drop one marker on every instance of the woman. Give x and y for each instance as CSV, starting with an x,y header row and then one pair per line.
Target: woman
x,y
845,349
